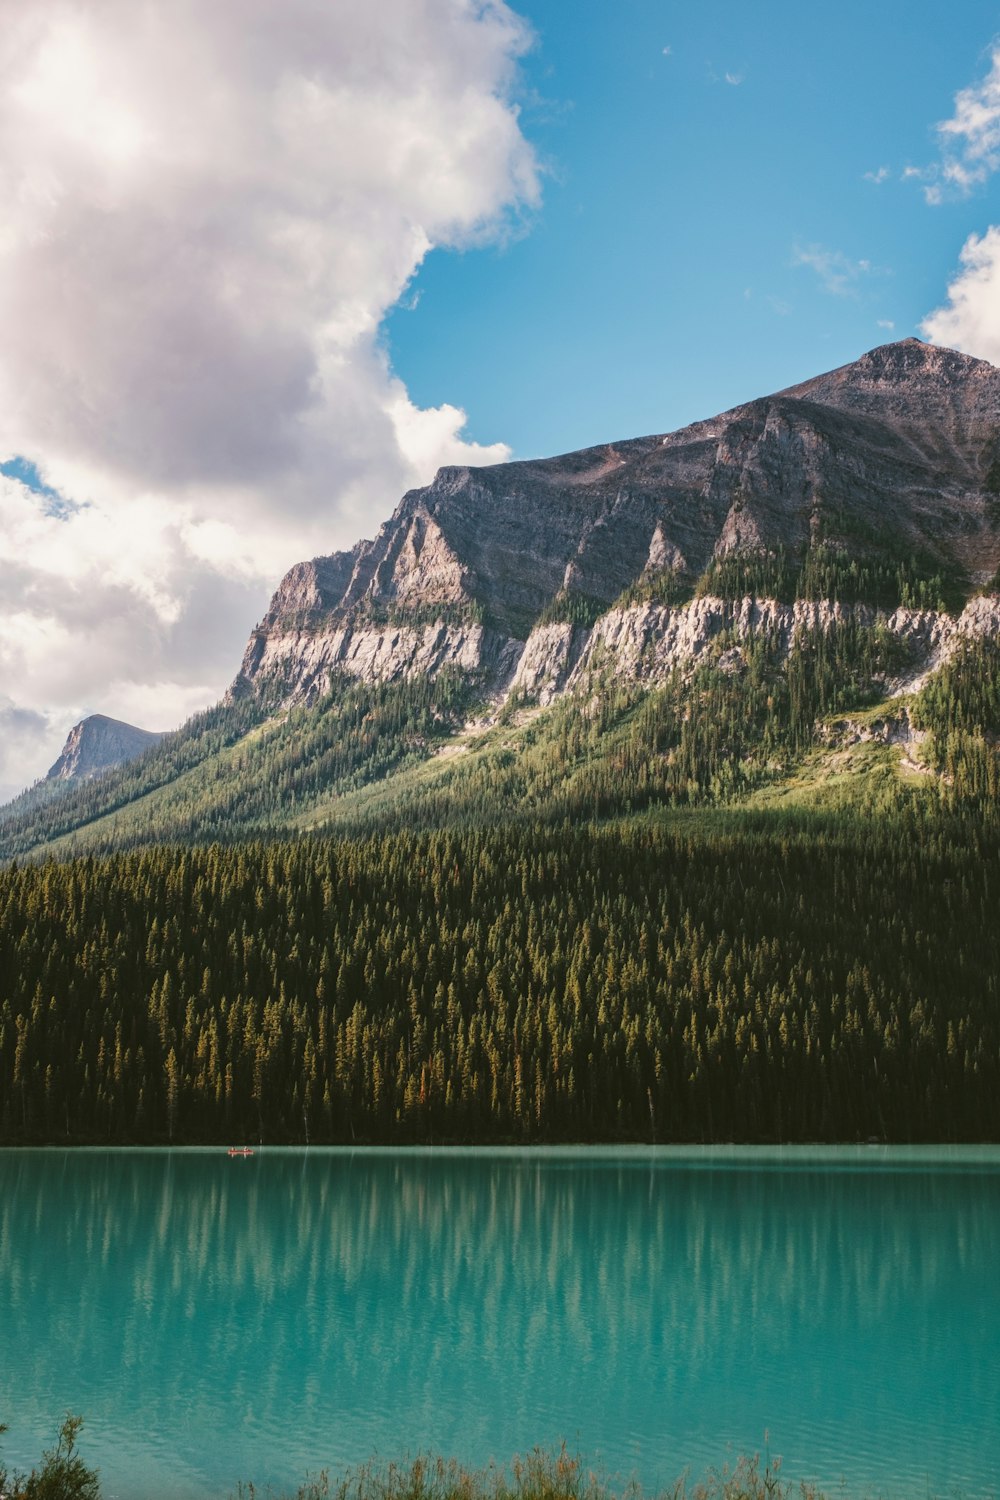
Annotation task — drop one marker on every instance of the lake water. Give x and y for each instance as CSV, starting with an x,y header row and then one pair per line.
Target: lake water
x,y
216,1319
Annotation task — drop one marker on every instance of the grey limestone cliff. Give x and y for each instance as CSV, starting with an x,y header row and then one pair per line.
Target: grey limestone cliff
x,y
895,454
96,744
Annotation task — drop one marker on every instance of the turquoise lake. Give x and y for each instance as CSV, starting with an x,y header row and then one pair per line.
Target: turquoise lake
x,y
658,1310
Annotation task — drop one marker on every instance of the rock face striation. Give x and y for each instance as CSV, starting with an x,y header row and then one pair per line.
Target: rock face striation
x,y
96,744
897,454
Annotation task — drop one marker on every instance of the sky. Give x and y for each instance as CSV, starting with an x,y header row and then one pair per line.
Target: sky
x,y
266,264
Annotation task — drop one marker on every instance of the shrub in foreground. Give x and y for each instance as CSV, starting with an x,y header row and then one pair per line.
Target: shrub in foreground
x,y
63,1475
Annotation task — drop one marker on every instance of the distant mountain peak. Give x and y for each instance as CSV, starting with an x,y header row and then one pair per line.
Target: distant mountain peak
x,y
97,744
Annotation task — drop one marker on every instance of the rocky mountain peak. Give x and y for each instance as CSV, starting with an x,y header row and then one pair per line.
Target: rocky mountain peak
x,y
909,381
890,459
96,744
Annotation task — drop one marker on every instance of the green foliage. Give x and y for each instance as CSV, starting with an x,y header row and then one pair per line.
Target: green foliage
x,y
960,706
569,607
25,822
758,574
883,579
776,977
740,719
529,958
664,586
833,573
63,1475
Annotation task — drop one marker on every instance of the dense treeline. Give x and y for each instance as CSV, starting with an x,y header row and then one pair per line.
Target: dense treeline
x,y
776,979
960,706
740,718
570,607
830,571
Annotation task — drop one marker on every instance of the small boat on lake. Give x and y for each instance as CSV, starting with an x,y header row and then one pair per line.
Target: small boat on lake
x,y
240,1151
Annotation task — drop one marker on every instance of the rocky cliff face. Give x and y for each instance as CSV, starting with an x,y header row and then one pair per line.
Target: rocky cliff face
x,y
645,643
895,455
96,744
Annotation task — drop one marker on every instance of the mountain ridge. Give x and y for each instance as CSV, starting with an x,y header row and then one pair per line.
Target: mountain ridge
x,y
692,613
898,452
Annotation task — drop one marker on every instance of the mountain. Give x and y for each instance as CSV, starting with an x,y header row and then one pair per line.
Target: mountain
x,y
659,793
96,745
892,462
798,588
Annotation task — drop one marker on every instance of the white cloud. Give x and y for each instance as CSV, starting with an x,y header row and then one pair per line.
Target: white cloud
x,y
734,78
838,274
886,323
668,51
969,141
111,612
208,211
22,731
971,138
882,174
970,319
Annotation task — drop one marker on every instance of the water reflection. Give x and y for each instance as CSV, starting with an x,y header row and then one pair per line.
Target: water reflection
x,y
218,1318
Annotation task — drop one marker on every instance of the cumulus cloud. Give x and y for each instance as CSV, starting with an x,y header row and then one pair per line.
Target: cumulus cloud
x,y
109,609
208,212
970,319
21,732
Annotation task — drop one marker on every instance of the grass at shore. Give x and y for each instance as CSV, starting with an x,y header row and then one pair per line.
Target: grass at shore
x,y
539,1476
542,1475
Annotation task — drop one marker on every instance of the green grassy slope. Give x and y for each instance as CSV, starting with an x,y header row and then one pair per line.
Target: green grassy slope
x,y
747,721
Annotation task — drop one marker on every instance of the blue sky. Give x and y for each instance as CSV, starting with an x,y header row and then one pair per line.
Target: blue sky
x,y
658,282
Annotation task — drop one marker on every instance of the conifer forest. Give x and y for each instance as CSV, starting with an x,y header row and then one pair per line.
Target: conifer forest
x,y
647,924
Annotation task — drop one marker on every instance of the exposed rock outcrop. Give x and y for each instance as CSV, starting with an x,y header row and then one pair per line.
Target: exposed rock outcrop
x,y
897,454
306,661
96,744
883,729
644,643
550,657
